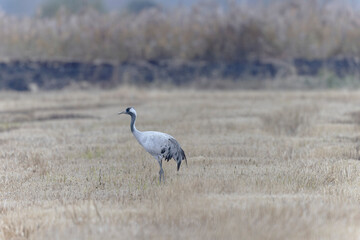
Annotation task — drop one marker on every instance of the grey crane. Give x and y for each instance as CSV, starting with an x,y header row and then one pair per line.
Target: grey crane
x,y
159,145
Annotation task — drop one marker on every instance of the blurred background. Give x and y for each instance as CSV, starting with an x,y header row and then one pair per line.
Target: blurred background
x,y
307,44
31,8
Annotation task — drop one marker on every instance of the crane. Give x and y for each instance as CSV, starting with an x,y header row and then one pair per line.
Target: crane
x,y
159,145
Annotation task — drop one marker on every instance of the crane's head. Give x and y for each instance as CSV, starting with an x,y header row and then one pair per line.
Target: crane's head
x,y
130,111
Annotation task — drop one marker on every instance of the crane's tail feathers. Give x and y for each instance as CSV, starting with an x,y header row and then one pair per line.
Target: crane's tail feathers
x,y
184,156
181,158
178,165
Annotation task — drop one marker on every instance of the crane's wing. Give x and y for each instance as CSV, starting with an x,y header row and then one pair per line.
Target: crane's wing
x,y
174,151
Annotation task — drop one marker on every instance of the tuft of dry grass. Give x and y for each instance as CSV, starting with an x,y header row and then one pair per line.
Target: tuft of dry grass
x,y
355,117
290,120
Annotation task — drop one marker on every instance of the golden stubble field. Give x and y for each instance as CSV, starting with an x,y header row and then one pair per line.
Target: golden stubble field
x,y
262,165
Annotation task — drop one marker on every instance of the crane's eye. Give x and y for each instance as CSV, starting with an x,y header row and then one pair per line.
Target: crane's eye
x,y
128,110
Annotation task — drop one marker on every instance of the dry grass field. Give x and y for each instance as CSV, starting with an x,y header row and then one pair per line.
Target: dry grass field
x,y
262,165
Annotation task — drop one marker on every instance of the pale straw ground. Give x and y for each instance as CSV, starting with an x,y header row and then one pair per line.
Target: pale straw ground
x,y
262,165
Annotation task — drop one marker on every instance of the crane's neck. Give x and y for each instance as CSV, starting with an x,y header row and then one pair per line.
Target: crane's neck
x,y
136,132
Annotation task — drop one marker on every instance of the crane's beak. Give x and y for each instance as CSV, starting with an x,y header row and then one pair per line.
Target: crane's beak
x,y
123,112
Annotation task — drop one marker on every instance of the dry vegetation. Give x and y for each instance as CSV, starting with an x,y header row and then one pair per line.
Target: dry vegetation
x,y
70,168
290,120
284,29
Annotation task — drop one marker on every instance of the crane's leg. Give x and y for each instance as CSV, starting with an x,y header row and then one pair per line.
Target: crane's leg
x,y
161,172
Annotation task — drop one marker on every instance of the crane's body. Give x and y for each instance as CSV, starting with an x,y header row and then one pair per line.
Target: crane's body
x,y
159,145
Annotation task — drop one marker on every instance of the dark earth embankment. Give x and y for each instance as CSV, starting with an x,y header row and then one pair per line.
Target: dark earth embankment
x,y
51,75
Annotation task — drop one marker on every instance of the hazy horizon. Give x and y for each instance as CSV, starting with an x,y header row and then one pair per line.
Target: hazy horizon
x,y
29,7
